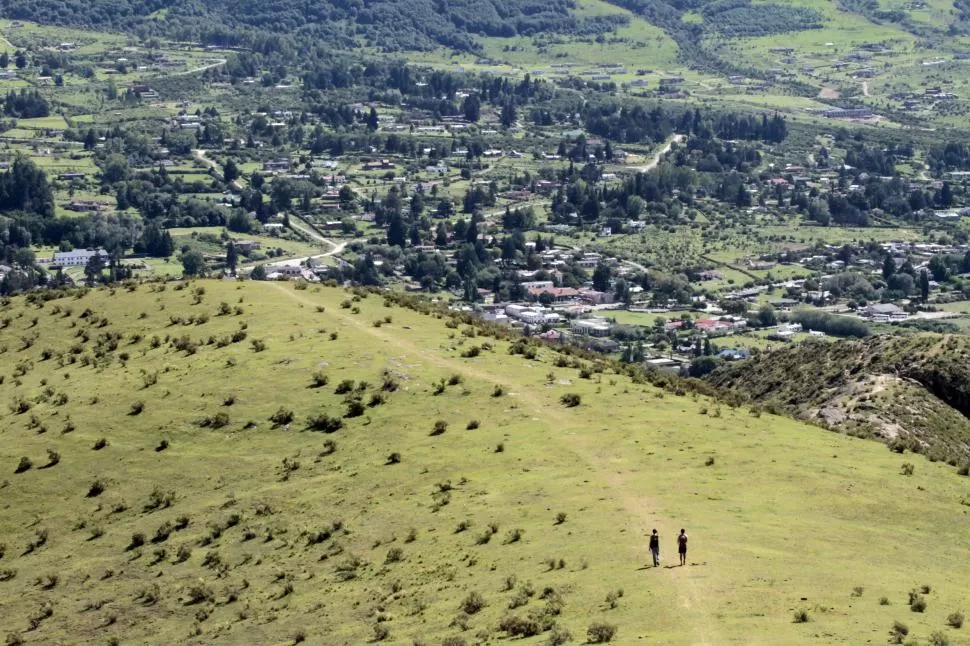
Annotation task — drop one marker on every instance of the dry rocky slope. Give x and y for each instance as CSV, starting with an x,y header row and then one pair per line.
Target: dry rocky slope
x,y
911,391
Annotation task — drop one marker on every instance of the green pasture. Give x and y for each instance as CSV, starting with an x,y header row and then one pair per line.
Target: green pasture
x,y
284,535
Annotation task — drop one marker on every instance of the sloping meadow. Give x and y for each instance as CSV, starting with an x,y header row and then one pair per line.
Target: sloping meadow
x,y
222,462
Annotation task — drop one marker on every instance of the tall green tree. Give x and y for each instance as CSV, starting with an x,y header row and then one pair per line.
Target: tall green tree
x,y
230,171
94,269
232,258
889,267
601,278
193,263
509,116
397,231
767,316
472,107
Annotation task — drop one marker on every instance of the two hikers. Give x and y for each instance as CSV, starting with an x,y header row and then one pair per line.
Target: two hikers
x,y
681,547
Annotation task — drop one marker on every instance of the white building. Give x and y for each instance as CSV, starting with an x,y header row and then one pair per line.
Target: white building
x,y
595,326
78,257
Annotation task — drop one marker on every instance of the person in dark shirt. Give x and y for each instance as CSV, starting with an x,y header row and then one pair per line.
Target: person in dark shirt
x,y
655,548
682,547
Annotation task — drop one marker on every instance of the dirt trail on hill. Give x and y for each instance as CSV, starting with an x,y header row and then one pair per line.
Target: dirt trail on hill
x,y
335,247
690,594
203,157
659,154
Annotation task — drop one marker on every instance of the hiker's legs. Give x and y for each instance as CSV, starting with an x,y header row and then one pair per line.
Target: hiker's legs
x,y
656,557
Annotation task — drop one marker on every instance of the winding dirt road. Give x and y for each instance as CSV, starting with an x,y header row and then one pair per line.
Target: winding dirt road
x,y
660,153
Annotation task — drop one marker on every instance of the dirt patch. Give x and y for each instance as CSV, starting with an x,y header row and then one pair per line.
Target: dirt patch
x,y
828,93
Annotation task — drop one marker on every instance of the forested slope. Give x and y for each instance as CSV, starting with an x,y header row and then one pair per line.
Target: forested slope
x,y
387,24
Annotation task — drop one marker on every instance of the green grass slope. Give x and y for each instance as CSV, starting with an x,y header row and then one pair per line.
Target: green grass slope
x,y
912,391
261,534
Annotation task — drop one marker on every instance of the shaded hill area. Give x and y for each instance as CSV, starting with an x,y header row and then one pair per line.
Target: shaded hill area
x,y
911,391
389,25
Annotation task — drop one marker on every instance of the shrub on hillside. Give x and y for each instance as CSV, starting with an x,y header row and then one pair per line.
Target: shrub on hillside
x,y
217,421
898,632
381,630
559,636
355,408
473,603
324,423
520,626
53,458
281,417
600,633
955,620
137,540
570,400
345,386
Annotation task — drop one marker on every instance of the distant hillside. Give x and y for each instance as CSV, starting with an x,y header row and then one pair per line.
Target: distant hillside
x,y
913,391
389,25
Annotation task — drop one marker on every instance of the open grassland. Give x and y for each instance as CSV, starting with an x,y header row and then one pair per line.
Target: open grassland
x,y
163,505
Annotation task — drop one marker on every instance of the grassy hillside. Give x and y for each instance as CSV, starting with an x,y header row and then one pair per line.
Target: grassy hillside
x,y
909,390
164,506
